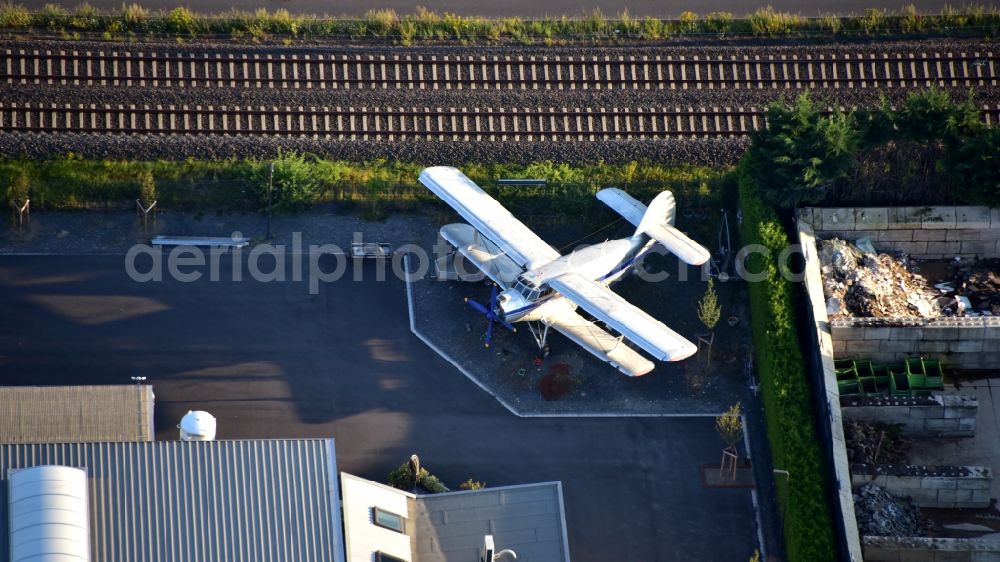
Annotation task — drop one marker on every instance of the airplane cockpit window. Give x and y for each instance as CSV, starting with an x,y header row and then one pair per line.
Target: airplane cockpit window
x,y
527,290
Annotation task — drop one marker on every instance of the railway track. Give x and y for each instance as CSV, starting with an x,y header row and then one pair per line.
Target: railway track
x,y
392,124
150,69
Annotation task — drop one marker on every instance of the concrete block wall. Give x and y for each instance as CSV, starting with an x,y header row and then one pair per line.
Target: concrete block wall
x,y
939,487
960,342
921,232
838,443
923,549
946,415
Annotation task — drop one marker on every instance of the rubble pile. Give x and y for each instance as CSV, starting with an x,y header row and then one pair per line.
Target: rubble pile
x,y
881,514
860,282
874,444
979,284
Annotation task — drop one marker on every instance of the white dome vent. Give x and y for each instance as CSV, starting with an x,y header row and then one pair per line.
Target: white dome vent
x,y
197,425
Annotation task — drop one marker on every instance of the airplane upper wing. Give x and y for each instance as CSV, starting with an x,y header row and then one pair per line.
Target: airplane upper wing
x,y
601,344
645,331
488,217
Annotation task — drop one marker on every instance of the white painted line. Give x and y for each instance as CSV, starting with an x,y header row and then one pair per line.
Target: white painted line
x,y
430,344
471,377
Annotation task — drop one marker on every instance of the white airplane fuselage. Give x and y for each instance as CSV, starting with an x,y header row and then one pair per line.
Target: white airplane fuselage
x,y
529,299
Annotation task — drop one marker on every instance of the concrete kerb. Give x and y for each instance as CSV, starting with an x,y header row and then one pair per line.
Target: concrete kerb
x,y
746,435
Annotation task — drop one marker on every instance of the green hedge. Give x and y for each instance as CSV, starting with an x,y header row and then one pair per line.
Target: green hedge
x,y
134,20
302,180
784,388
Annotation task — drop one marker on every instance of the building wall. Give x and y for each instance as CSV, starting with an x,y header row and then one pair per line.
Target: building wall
x,y
363,538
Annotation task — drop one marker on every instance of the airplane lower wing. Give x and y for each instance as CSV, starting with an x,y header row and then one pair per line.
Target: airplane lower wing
x,y
601,344
640,328
485,255
488,217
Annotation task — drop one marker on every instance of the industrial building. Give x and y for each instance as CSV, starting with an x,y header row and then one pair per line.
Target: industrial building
x,y
171,501
384,524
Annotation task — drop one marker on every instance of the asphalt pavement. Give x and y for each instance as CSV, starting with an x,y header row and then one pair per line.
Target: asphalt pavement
x,y
270,360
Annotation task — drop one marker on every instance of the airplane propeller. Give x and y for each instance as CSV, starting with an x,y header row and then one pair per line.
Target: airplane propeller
x,y
490,312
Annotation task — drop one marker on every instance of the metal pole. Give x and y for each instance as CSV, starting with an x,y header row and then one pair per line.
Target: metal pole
x,y
270,186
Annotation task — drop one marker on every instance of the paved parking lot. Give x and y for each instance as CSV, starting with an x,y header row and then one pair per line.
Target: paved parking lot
x,y
271,360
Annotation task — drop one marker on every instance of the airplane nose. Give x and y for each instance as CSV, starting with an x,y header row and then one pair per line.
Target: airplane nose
x,y
499,309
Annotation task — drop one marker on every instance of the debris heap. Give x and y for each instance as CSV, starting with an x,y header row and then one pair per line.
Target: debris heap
x,y
860,282
881,514
874,444
979,283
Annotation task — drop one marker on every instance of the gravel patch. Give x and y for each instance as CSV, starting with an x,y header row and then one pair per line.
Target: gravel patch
x,y
148,147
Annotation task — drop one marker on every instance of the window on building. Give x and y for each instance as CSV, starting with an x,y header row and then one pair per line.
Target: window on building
x,y
389,520
383,557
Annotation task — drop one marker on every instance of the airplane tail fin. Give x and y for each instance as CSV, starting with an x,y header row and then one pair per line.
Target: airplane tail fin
x,y
657,223
659,212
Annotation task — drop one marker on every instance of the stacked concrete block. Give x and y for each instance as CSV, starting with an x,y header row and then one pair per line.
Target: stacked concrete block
x,y
947,415
960,342
944,487
925,549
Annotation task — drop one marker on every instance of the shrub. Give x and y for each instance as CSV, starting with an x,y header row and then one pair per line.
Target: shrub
x,y
134,14
430,482
652,28
14,15
19,187
719,22
381,22
974,167
85,17
402,478
873,21
729,425
471,484
181,20
709,310
147,188
407,31
294,186
910,21
766,21
594,22
688,22
831,23
931,115
51,16
801,153
784,388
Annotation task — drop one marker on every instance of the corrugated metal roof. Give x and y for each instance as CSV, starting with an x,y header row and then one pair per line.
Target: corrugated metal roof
x,y
209,501
73,414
